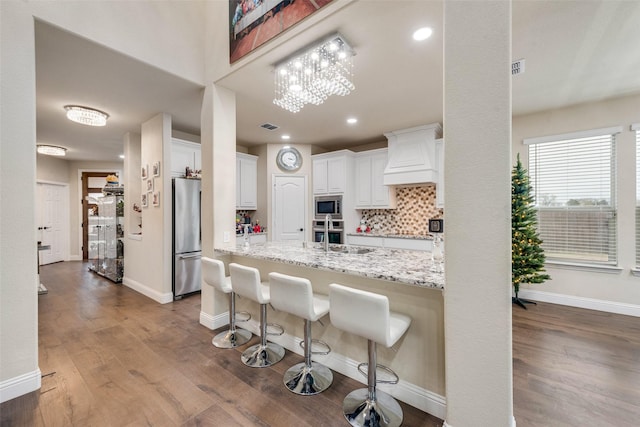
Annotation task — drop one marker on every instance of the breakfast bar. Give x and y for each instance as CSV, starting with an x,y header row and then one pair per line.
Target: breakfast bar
x,y
408,278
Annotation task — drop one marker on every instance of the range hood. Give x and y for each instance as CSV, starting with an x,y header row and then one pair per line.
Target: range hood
x,y
413,155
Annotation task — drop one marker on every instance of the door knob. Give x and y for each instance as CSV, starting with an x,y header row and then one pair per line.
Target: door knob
x,y
302,229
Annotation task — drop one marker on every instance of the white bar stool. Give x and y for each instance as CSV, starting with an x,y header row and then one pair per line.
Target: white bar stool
x,y
213,275
367,314
246,282
294,295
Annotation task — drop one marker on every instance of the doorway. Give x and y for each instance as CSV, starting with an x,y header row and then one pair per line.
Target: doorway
x,y
92,184
52,221
289,208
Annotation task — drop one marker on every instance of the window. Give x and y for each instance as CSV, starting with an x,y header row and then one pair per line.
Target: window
x,y
573,179
636,127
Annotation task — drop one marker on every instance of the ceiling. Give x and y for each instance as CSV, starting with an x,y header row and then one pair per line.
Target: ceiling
x,y
575,51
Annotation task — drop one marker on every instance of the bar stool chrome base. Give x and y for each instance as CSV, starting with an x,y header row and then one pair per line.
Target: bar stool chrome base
x,y
261,356
361,411
306,381
231,339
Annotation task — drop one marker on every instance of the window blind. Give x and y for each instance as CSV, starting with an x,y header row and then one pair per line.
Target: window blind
x,y
636,127
573,179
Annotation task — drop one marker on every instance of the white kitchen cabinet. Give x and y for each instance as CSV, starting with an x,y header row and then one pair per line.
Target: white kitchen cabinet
x,y
365,240
330,172
246,181
184,154
371,193
390,242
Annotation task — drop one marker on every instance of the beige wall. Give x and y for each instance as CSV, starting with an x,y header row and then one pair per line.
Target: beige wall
x,y
52,169
621,288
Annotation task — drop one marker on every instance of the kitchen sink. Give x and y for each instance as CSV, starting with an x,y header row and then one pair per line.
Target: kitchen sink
x,y
350,250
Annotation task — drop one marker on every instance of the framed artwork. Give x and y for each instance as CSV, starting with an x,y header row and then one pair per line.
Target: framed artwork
x,y
144,200
145,172
156,198
149,186
246,17
156,169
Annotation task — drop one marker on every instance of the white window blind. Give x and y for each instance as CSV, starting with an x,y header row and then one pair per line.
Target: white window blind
x,y
636,127
573,178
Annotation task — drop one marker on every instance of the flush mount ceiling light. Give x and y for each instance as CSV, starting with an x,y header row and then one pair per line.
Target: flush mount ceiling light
x,y
86,116
308,77
352,120
51,150
422,34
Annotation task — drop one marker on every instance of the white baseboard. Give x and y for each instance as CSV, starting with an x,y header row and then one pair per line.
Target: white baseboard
x,y
75,257
581,302
512,423
410,394
162,298
22,384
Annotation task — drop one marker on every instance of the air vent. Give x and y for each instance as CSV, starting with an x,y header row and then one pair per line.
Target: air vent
x,y
517,67
269,126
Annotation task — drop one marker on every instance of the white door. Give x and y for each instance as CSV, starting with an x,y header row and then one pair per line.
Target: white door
x,y
52,220
289,208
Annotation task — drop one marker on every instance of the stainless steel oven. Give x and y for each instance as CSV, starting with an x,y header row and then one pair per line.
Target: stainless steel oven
x,y
336,231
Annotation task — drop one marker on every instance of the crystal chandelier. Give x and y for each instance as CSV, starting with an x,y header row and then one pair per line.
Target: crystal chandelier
x,y
86,116
324,69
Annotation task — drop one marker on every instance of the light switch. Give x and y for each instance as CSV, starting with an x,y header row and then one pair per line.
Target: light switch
x,y
226,237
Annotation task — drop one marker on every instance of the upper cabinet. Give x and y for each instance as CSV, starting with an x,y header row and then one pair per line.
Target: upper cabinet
x,y
184,154
370,190
246,181
330,172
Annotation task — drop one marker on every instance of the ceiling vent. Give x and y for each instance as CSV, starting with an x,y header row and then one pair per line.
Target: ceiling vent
x,y
269,126
517,67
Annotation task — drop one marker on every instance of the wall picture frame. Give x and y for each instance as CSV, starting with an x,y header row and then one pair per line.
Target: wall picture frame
x,y
144,200
156,198
145,172
149,186
155,169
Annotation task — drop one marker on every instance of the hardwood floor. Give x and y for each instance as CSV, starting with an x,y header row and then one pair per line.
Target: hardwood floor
x,y
112,357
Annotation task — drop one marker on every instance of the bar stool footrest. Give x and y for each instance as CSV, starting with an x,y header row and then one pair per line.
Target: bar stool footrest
x,y
321,343
279,329
383,368
243,313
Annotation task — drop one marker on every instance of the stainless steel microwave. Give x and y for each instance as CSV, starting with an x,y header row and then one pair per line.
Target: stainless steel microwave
x,y
328,205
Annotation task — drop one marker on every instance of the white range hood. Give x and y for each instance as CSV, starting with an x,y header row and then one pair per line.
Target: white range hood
x,y
414,155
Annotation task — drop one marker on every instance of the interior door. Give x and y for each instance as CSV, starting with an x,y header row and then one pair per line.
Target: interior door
x,y
52,218
289,208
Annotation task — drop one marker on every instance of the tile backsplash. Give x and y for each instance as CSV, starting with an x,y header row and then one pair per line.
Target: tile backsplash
x,y
415,206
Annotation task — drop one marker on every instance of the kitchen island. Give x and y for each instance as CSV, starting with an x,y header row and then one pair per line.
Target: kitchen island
x,y
407,278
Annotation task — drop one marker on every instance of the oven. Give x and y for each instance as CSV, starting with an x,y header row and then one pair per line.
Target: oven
x,y
336,231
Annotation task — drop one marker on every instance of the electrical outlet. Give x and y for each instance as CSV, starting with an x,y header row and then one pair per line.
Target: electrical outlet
x,y
226,237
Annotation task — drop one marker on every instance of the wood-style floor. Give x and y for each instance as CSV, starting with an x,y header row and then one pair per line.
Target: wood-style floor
x,y
112,357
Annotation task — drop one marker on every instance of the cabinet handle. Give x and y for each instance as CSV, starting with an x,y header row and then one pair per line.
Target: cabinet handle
x,y
190,256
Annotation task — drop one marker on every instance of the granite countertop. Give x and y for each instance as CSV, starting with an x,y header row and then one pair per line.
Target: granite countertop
x,y
395,236
406,267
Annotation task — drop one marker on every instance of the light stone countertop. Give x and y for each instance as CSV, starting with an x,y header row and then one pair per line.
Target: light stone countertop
x,y
413,268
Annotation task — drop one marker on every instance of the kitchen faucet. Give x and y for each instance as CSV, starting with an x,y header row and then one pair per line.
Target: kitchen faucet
x,y
327,221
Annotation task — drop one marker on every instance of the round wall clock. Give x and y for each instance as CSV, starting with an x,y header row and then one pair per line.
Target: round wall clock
x,y
289,159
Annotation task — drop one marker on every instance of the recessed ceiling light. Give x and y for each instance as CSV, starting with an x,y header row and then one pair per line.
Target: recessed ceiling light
x,y
51,150
86,116
122,156
422,34
285,137
352,120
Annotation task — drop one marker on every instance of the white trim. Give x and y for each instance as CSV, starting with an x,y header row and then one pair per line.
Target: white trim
x,y
410,394
20,385
596,268
162,298
581,302
635,126
511,424
572,135
44,181
135,237
75,258
214,322
635,271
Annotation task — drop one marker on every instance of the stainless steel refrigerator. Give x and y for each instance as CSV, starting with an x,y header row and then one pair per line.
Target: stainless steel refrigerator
x,y
186,237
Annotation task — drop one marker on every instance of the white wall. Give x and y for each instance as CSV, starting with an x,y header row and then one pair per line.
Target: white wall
x,y
618,292
52,169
